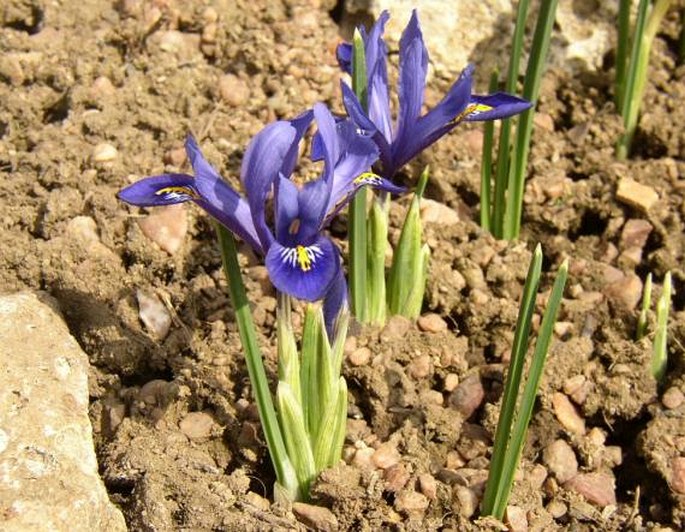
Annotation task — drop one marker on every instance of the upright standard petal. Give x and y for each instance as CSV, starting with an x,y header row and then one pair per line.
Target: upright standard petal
x,y
378,95
300,123
494,106
262,163
304,272
413,71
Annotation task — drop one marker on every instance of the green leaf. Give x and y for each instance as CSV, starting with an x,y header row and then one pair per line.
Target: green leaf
x,y
406,284
296,437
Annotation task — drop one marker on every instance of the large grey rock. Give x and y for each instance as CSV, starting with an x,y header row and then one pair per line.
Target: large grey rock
x,y
48,471
585,32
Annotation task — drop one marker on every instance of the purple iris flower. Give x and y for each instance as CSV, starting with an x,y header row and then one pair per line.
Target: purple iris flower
x,y
301,261
413,133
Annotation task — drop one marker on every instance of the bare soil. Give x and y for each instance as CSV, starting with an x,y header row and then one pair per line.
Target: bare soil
x,y
177,435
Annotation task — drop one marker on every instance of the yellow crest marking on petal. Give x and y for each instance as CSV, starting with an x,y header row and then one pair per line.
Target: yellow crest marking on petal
x,y
472,108
186,191
304,258
367,178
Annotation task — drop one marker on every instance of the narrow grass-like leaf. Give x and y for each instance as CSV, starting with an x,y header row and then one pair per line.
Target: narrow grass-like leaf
x,y
641,328
296,437
531,90
285,472
357,224
513,381
646,27
525,409
377,232
486,164
663,308
622,48
504,144
408,266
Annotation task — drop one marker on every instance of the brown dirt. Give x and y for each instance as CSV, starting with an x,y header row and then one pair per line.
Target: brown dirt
x,y
139,75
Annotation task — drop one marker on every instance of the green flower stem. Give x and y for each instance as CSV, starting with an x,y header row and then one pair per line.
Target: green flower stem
x,y
663,308
357,231
285,472
407,279
531,90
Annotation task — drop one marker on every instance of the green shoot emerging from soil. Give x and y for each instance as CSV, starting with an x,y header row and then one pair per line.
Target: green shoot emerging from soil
x,y
632,59
663,308
307,435
517,408
501,209
641,329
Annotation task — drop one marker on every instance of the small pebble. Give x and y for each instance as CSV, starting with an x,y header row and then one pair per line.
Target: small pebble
x,y
567,414
411,503
627,291
576,388
428,486
537,476
451,382
557,508
432,323
635,233
672,398
197,425
396,477
386,456
454,460
598,488
360,356
465,501
631,192
104,153
468,395
561,460
397,327
363,459
420,367
175,156
678,474
166,226
154,314
315,517
233,90
438,213
515,517
478,297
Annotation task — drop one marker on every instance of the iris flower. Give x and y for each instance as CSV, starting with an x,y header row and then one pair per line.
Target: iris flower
x,y
301,261
412,133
